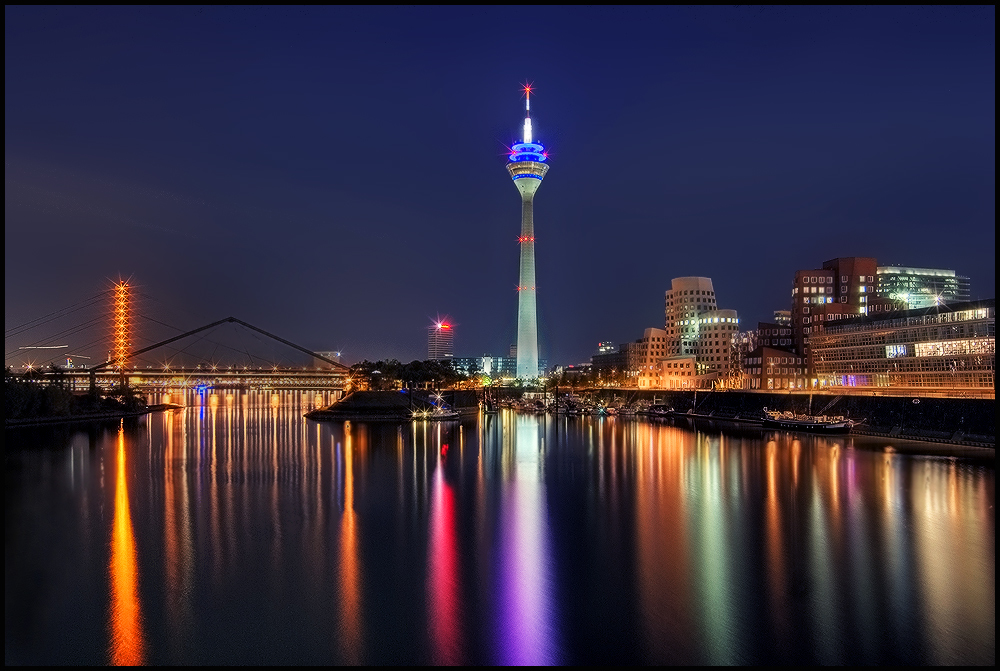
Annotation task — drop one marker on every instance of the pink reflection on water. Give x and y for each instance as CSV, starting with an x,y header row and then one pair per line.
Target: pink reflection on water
x,y
523,608
443,596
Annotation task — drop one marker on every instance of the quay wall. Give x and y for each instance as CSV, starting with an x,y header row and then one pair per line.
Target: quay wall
x,y
962,420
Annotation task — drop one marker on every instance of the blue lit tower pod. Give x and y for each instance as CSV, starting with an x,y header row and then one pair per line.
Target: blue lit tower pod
x,y
527,167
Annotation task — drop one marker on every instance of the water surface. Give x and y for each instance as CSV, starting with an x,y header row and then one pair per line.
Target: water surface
x,y
238,532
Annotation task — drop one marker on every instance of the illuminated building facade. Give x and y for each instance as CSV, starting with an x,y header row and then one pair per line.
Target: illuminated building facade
x,y
651,352
494,367
696,329
921,287
774,368
694,349
773,363
440,341
620,364
527,167
774,334
941,348
843,287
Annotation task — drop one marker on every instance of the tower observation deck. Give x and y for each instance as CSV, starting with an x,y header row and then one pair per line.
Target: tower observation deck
x,y
527,166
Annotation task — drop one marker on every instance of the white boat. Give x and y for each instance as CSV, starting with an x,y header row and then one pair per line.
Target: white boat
x,y
437,414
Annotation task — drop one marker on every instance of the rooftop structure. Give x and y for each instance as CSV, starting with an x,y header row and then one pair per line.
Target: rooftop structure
x,y
921,287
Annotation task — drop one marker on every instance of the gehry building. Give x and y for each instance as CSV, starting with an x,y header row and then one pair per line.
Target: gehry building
x,y
694,349
698,333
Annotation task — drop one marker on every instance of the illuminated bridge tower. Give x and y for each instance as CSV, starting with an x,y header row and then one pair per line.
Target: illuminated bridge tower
x,y
527,167
121,330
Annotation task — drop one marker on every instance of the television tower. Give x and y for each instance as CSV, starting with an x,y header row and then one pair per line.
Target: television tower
x,y
527,166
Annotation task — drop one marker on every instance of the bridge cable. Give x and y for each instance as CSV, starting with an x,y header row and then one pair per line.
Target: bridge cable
x,y
38,321
48,340
183,351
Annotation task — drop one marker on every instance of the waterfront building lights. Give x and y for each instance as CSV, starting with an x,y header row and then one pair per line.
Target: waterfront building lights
x,y
527,167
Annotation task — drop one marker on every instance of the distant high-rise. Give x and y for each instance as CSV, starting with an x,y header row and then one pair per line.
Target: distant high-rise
x,y
440,341
527,167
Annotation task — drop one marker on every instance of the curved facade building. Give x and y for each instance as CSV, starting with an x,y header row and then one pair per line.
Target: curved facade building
x,y
698,333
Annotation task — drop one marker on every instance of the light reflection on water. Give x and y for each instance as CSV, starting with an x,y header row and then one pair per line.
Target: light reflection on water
x,y
243,533
127,640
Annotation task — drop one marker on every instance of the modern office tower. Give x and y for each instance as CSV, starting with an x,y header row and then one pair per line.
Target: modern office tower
x,y
527,166
921,287
440,341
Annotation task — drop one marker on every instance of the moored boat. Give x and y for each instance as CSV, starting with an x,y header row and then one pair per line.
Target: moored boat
x,y
811,423
436,414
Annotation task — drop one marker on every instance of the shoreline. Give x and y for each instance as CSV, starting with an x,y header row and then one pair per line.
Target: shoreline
x,y
97,417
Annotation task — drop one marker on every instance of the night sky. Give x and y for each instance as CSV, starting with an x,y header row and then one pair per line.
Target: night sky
x,y
336,175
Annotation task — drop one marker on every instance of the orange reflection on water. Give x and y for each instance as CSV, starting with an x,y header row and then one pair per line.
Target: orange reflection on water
x,y
350,571
662,540
777,569
128,644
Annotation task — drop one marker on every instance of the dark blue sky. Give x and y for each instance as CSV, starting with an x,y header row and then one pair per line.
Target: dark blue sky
x,y
336,175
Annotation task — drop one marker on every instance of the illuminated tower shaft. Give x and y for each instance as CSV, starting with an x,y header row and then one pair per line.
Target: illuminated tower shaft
x,y
527,167
121,329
